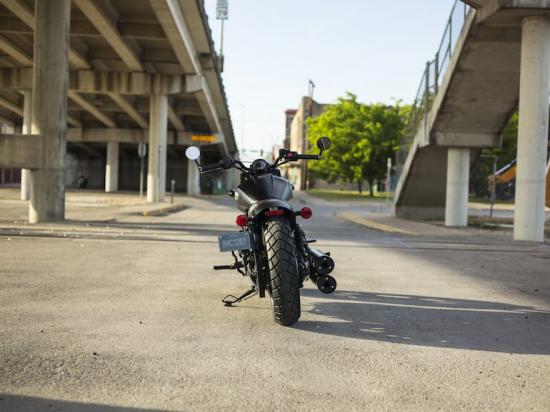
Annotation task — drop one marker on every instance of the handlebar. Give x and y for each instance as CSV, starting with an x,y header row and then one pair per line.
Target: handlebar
x,y
308,157
228,163
210,167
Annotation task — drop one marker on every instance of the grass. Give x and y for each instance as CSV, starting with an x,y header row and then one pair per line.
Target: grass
x,y
486,201
335,195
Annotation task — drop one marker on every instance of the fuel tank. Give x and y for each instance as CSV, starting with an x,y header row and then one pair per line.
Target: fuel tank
x,y
262,187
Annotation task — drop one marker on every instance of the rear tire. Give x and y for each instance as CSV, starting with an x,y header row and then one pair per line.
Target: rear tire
x,y
283,270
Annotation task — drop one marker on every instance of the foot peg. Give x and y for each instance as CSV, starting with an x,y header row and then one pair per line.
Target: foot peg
x,y
230,300
235,266
326,284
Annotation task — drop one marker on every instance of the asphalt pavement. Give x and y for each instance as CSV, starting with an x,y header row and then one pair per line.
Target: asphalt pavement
x,y
125,314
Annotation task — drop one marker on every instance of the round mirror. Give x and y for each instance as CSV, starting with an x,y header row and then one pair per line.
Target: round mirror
x,y
324,143
192,153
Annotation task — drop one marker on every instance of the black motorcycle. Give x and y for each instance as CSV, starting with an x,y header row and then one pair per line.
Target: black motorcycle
x,y
271,249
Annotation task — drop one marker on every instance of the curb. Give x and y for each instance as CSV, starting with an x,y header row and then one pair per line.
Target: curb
x,y
166,210
371,224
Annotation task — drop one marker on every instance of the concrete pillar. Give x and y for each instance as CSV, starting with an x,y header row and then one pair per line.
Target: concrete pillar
x,y
27,126
111,169
158,129
458,173
49,108
193,179
533,129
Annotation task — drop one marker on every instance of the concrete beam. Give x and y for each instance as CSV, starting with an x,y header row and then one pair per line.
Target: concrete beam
x,y
15,52
11,106
25,13
21,10
175,119
104,135
129,108
451,139
171,18
22,151
101,82
90,108
15,79
100,18
129,30
130,83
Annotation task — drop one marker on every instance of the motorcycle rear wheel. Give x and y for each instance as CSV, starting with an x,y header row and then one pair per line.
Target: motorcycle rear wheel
x,y
283,270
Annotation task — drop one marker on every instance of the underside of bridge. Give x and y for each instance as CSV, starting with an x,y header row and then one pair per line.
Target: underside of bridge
x,y
84,82
499,59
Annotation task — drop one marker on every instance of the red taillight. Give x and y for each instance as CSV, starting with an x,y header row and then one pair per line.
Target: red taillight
x,y
306,212
277,212
242,220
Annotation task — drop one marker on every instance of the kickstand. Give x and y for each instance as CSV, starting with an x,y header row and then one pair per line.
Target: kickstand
x,y
230,300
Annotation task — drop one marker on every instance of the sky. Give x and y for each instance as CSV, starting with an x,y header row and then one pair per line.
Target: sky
x,y
376,49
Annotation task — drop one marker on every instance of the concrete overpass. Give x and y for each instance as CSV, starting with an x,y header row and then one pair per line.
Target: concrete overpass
x,y
492,57
111,73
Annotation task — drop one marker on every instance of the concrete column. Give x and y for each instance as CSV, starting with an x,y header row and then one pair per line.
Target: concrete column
x,y
458,173
49,108
111,169
27,125
193,179
158,129
533,130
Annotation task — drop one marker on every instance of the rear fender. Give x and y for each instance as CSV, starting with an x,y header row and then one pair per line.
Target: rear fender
x,y
262,205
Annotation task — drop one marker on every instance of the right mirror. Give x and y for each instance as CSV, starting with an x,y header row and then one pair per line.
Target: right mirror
x,y
324,143
192,153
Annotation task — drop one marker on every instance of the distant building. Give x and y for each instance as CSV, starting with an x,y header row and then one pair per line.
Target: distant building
x,y
289,116
297,172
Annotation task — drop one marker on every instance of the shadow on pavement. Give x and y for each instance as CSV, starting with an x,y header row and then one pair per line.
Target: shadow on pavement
x,y
17,403
430,321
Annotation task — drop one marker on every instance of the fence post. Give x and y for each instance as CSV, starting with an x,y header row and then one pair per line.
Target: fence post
x,y
436,72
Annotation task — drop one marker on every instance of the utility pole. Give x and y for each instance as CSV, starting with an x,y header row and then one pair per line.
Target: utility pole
x,y
222,12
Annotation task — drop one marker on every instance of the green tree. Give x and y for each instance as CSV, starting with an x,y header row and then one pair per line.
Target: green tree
x,y
363,136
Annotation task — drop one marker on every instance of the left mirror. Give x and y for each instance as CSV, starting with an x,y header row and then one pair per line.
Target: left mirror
x,y
192,153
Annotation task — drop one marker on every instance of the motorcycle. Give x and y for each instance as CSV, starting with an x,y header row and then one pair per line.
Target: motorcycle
x,y
271,248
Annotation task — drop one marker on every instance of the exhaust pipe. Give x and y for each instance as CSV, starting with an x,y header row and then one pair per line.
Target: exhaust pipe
x,y
326,284
320,262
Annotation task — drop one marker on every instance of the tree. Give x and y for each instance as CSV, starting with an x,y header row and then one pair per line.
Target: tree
x,y
363,136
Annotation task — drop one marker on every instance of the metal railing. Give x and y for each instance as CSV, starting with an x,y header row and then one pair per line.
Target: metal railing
x,y
431,79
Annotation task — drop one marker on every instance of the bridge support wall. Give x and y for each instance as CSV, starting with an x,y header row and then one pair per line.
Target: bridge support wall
x,y
111,168
458,173
193,179
49,108
27,126
533,130
158,129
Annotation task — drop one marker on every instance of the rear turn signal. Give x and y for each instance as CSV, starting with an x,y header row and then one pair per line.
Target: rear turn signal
x,y
306,212
242,220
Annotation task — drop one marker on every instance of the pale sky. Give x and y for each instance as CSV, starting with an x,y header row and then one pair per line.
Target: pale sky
x,y
376,49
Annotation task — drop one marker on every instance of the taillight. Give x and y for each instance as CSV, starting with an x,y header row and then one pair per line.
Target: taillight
x,y
276,212
242,220
306,212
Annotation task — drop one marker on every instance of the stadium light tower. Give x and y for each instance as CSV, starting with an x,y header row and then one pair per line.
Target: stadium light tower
x,y
222,12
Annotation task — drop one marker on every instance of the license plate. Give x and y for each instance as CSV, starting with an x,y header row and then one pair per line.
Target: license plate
x,y
229,242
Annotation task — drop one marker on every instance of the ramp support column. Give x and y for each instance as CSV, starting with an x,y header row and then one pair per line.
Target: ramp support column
x,y
193,179
158,129
49,108
533,130
111,169
27,125
458,173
